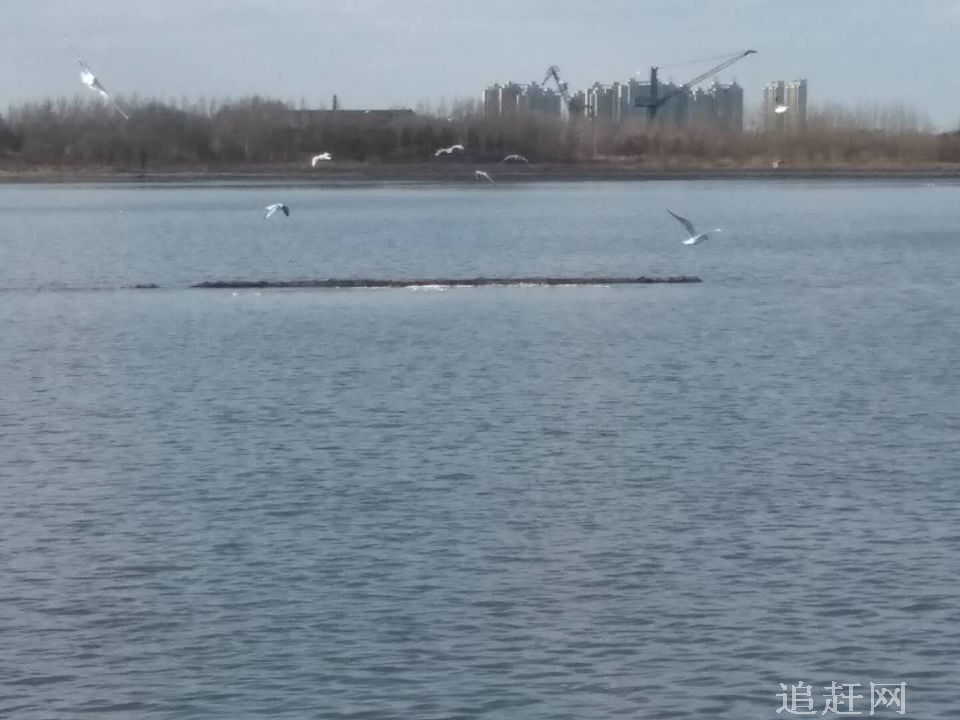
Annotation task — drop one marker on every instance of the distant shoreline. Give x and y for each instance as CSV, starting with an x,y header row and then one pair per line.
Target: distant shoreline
x,y
443,173
465,282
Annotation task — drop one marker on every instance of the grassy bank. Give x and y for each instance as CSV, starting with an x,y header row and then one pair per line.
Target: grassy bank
x,y
428,172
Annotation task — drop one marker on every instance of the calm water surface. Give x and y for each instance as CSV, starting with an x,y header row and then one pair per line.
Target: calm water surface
x,y
638,502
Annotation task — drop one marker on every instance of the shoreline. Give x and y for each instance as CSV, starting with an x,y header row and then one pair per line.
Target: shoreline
x,y
450,173
375,283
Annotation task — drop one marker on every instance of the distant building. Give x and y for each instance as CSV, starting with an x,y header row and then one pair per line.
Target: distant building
x,y
797,101
491,101
675,112
793,96
540,100
703,109
579,104
719,106
774,95
510,99
610,103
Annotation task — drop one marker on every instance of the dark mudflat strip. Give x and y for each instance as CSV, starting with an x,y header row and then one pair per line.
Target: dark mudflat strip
x,y
336,283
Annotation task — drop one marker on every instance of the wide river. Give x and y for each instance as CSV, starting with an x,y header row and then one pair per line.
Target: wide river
x,y
645,502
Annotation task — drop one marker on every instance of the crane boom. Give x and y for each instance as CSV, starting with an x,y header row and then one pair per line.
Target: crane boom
x,y
656,101
553,72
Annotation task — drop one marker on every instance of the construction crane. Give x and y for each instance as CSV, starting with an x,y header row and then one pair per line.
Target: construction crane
x,y
553,72
655,101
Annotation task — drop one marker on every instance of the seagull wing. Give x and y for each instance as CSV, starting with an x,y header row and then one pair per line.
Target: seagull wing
x,y
271,209
119,109
286,210
85,72
686,223
95,85
72,48
90,80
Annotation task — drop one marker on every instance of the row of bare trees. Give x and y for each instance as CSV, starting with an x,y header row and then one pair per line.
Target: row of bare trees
x,y
83,132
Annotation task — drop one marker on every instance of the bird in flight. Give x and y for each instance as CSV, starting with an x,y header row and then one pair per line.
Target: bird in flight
x,y
90,80
781,109
271,209
316,159
695,237
448,150
518,158
481,175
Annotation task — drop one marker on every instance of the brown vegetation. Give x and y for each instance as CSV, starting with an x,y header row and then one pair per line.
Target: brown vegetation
x,y
256,131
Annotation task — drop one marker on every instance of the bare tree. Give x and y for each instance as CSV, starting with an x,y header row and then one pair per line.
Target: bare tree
x,y
83,131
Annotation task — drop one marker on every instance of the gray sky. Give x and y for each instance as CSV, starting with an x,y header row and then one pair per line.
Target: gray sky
x,y
382,53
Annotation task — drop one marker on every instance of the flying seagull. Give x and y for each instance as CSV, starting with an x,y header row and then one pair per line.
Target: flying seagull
x,y
781,109
448,150
695,237
271,209
519,158
90,80
481,175
317,158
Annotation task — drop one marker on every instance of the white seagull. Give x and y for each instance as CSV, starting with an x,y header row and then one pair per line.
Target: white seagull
x,y
317,158
519,158
481,175
448,150
781,109
271,209
90,80
695,237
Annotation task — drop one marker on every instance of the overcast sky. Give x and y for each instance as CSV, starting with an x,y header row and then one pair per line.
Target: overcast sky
x,y
384,53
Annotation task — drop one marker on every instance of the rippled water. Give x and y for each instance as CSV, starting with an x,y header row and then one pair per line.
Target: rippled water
x,y
639,502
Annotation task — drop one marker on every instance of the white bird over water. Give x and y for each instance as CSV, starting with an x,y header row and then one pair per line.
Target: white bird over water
x,y
90,80
318,158
518,158
781,109
481,175
448,150
271,209
695,237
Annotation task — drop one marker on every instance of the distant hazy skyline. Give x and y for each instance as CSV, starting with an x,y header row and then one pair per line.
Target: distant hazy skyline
x,y
383,53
